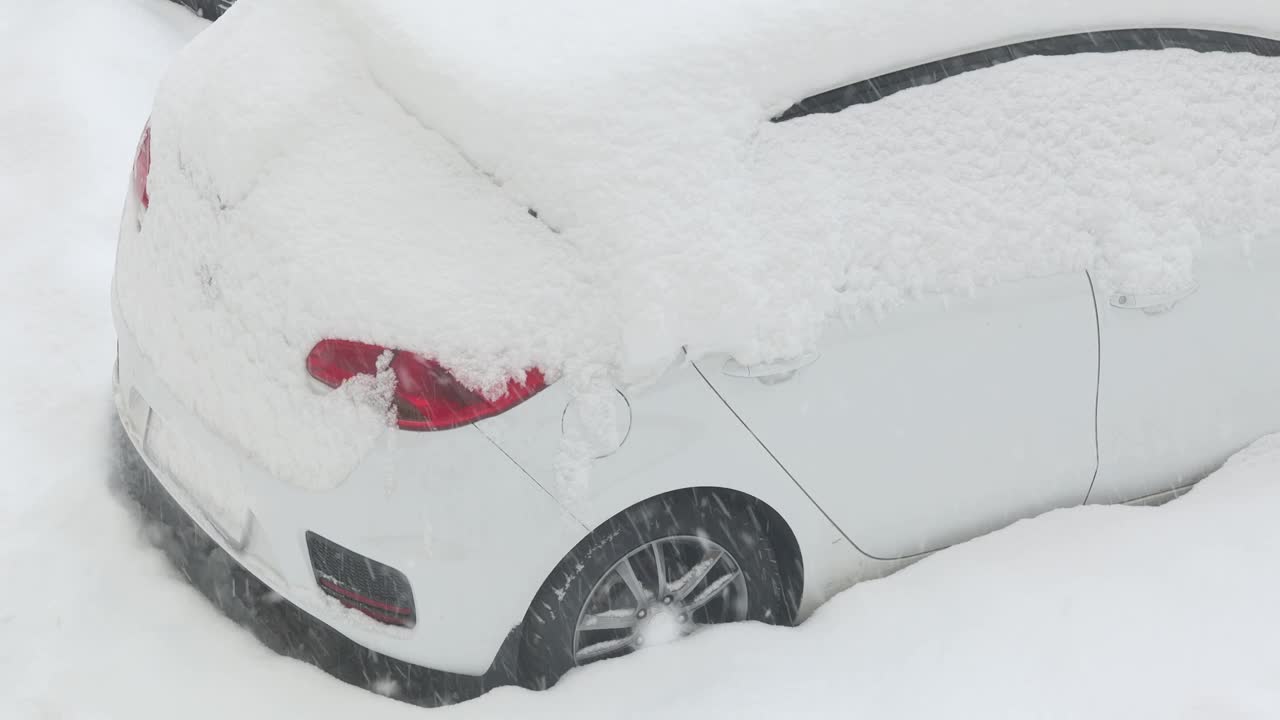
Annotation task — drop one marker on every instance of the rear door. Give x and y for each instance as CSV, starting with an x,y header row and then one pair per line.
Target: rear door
x,y
1190,377
944,421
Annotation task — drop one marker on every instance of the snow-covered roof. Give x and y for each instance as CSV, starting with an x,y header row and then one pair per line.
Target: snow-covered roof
x,y
578,93
565,58
367,168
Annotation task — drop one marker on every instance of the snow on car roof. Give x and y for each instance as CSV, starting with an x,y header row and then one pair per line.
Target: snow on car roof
x,y
527,89
589,189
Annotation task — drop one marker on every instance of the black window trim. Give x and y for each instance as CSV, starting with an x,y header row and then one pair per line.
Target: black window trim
x,y
1106,41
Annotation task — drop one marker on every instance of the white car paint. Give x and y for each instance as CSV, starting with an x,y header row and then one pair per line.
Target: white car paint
x,y
422,503
681,429
956,419
1202,369
950,419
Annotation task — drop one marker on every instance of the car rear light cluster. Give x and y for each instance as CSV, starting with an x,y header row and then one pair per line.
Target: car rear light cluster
x,y
377,590
426,396
142,167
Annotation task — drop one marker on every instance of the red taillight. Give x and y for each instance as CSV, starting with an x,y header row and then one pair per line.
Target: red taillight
x,y
427,397
142,167
334,362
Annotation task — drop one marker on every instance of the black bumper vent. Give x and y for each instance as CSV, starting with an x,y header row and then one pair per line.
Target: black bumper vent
x,y
377,590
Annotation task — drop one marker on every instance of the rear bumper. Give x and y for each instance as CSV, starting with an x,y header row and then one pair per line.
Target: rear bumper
x,y
474,536
279,625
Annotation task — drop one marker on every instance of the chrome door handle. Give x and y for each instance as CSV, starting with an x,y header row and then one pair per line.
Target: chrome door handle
x,y
769,372
1154,303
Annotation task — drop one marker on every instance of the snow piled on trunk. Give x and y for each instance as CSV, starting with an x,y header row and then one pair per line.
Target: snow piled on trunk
x,y
379,181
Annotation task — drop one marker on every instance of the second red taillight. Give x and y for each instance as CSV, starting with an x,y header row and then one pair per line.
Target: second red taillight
x,y
427,397
142,167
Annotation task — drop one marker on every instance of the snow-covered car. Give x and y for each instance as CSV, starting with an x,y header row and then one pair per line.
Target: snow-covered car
x,y
211,9
506,339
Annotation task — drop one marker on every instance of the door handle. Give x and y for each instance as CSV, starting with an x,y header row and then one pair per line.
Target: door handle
x,y
769,372
1153,303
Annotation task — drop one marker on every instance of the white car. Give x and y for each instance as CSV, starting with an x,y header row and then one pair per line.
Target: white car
x,y
272,313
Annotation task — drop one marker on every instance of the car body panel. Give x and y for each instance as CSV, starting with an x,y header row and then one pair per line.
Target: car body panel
x,y
421,503
945,420
682,435
1184,386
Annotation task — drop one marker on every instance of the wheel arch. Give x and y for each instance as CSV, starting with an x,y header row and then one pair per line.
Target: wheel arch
x,y
787,550
787,547
533,653
788,553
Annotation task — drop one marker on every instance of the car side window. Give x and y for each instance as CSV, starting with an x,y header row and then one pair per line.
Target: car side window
x,y
868,91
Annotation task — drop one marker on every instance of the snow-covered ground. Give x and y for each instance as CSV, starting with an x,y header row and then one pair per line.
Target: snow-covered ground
x,y
1089,613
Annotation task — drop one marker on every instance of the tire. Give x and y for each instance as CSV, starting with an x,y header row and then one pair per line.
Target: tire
x,y
715,522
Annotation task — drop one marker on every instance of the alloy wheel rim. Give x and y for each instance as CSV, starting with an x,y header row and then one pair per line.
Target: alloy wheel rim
x,y
661,591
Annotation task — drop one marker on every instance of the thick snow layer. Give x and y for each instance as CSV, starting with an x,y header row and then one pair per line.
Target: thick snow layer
x,y
1088,613
375,182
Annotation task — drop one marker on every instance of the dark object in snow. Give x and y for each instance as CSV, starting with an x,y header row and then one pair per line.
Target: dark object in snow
x,y
868,91
277,623
211,9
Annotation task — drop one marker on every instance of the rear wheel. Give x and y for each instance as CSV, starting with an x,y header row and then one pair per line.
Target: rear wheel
x,y
656,572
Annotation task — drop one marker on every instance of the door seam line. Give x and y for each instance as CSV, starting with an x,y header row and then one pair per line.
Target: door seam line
x,y
1097,388
792,477
563,507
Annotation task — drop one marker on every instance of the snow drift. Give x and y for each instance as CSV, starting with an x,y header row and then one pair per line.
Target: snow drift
x,y
588,191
